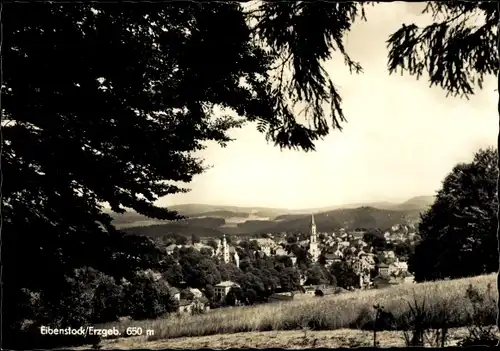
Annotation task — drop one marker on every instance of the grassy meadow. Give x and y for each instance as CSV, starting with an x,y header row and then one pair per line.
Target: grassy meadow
x,y
443,299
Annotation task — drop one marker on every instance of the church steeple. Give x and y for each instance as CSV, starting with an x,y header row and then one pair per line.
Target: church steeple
x,y
313,241
313,229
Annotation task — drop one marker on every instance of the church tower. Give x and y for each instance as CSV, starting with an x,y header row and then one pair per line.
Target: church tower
x,y
313,229
225,249
313,241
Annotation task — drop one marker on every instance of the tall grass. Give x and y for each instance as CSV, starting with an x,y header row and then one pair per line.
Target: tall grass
x,y
349,310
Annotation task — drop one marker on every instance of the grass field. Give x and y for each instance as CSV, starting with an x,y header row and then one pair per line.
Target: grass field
x,y
346,311
290,339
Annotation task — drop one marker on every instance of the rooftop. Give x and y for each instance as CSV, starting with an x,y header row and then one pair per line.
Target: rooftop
x,y
226,284
184,303
174,291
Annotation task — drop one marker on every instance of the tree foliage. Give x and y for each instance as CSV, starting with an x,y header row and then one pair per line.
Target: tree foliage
x,y
459,230
106,104
303,35
455,51
345,275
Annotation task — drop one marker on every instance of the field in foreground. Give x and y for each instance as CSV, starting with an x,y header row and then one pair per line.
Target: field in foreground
x,y
345,311
278,339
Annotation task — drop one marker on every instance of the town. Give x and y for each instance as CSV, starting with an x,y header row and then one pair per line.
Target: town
x,y
321,263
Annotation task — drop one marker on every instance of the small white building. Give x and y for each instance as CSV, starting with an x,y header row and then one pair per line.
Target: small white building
x,y
280,252
170,249
175,293
222,289
196,293
344,243
398,267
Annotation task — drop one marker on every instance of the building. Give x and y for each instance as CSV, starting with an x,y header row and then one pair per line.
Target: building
x,y
280,251
332,257
266,250
267,245
325,292
368,258
200,246
189,306
156,276
170,249
383,269
310,290
313,241
185,306
175,293
227,252
222,289
280,298
398,267
358,234
344,244
196,293
387,236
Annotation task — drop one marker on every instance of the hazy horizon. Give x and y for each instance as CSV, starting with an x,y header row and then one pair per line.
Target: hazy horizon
x,y
401,139
392,202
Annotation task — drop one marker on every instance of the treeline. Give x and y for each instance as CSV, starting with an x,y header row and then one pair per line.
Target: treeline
x,y
202,227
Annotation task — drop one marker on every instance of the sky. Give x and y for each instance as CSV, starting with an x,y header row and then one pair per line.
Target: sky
x,y
401,139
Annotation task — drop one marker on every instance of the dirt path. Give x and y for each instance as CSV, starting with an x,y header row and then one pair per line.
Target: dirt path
x,y
276,339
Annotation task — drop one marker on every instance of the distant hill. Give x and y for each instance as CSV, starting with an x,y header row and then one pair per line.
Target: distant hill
x,y
212,220
362,217
231,214
416,203
221,214
237,211
201,227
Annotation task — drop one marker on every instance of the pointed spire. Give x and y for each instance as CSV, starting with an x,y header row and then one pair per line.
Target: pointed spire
x,y
312,220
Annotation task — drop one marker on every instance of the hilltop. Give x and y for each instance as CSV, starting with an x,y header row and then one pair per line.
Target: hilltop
x,y
213,221
362,217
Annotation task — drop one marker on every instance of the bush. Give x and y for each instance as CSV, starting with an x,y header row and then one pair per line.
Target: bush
x,y
146,298
481,333
83,298
107,303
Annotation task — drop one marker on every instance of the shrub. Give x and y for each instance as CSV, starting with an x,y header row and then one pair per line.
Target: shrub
x,y
481,331
146,298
